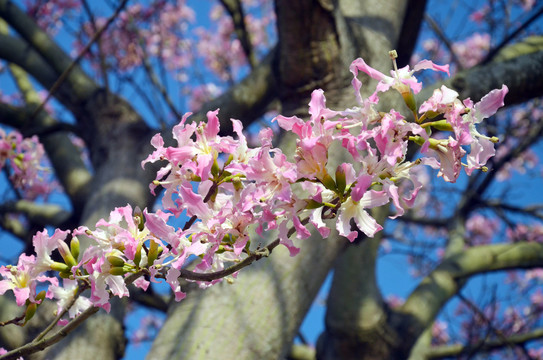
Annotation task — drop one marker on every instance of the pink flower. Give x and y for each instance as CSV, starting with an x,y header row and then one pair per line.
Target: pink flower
x,y
44,246
22,279
315,136
354,208
65,294
482,147
472,50
450,156
400,79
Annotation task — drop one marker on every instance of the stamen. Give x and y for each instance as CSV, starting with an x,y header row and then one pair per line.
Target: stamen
x,y
393,56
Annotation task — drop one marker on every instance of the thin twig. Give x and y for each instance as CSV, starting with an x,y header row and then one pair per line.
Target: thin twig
x,y
437,30
493,52
66,72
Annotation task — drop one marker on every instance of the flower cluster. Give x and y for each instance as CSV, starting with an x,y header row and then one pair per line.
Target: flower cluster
x,y
49,15
24,158
228,190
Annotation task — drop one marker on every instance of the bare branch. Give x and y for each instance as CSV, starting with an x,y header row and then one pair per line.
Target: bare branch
x,y
235,9
495,51
424,303
441,36
33,347
412,20
40,214
53,55
523,75
66,73
157,84
448,351
247,100
17,51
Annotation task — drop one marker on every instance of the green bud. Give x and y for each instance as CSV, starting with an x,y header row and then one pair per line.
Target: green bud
x,y
18,160
221,249
119,271
409,99
66,254
40,296
431,114
238,185
30,311
328,182
215,169
341,180
442,125
137,255
60,267
138,219
229,160
153,253
115,261
418,139
65,274
312,204
74,247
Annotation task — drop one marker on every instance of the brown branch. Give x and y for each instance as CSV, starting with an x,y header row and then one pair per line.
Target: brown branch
x,y
34,347
441,36
522,74
235,9
35,39
411,24
482,346
494,51
40,214
247,100
82,53
428,298
157,84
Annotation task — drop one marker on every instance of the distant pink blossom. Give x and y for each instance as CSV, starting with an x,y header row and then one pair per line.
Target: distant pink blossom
x,y
472,50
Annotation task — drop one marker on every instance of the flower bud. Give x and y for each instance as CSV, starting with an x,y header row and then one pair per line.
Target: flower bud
x,y
409,99
312,204
138,219
66,254
119,271
137,255
65,274
442,125
30,311
40,296
60,267
18,160
229,160
115,261
153,253
74,247
215,169
341,180
238,185
328,182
